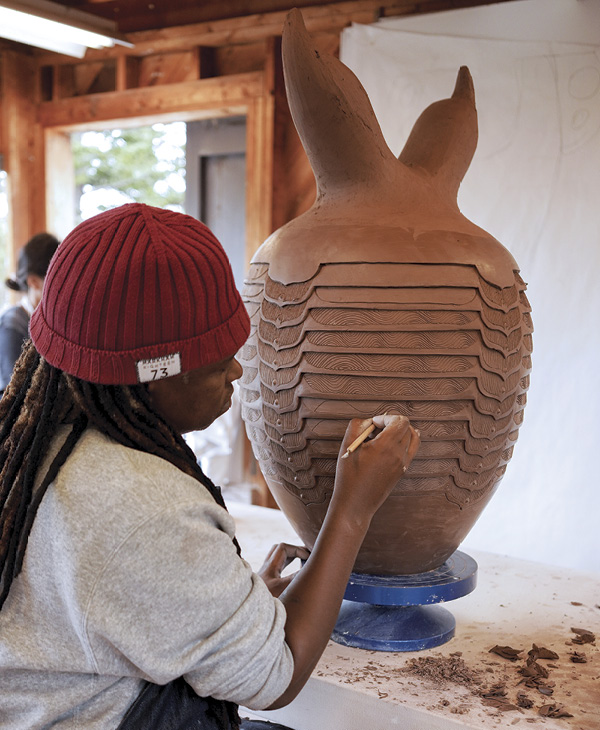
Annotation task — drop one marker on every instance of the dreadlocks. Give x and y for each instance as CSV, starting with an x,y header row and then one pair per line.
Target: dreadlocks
x,y
38,400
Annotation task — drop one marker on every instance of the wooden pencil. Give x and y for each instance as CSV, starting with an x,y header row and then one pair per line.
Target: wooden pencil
x,y
358,441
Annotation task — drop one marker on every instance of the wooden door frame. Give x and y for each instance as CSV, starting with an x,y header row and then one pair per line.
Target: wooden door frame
x,y
248,95
245,94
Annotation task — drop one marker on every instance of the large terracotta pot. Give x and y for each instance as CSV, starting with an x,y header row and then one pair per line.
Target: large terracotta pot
x,y
384,297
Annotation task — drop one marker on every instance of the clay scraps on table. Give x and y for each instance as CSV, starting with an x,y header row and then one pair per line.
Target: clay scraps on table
x,y
507,652
584,636
578,657
495,696
553,711
533,671
534,675
540,652
524,701
441,670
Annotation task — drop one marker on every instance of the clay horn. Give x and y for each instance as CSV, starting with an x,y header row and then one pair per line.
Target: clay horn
x,y
333,115
443,140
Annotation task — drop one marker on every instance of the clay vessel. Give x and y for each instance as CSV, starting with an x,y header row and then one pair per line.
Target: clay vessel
x,y
384,297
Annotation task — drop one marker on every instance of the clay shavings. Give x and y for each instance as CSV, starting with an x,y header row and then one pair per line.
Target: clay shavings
x,y
506,652
441,670
584,636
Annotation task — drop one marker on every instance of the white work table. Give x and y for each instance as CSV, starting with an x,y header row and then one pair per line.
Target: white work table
x,y
516,603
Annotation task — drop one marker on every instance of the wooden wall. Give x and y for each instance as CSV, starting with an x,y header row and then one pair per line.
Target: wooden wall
x,y
22,145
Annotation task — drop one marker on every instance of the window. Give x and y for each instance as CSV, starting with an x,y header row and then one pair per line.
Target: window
x,y
117,166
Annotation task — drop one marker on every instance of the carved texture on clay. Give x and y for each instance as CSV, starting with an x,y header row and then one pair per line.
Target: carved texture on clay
x,y
460,375
459,379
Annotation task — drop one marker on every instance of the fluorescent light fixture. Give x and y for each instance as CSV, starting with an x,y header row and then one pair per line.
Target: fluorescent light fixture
x,y
56,28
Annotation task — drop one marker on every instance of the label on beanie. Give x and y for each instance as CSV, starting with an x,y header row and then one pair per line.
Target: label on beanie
x,y
158,367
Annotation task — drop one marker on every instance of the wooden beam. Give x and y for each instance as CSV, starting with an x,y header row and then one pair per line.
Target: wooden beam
x,y
23,148
137,15
332,17
169,68
256,27
242,30
77,80
222,96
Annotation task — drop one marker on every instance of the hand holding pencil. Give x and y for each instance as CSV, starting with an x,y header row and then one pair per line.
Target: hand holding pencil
x,y
359,439
364,435
369,468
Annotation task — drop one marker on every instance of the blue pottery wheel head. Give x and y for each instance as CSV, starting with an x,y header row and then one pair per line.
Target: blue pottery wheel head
x,y
457,577
397,613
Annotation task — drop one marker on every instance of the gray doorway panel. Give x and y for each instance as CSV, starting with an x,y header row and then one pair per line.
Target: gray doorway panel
x,y
216,183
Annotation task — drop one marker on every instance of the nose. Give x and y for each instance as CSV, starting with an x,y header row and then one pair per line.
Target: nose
x,y
235,371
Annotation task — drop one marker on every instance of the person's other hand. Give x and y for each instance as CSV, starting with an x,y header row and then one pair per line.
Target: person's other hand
x,y
277,560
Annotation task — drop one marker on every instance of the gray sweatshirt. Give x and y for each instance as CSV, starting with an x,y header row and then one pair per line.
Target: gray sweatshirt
x,y
130,573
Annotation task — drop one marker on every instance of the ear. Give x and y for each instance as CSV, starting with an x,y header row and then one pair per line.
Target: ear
x,y
151,386
35,282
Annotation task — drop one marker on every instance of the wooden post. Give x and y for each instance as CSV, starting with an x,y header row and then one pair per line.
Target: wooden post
x,y
23,148
127,73
259,167
60,191
259,219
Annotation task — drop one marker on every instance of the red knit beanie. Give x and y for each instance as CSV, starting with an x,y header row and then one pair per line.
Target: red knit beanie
x,y
138,293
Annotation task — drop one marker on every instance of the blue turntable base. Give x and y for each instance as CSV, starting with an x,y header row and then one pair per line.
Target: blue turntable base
x,y
400,613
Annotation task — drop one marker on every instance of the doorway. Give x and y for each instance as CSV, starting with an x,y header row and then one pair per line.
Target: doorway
x,y
198,168
216,183
216,194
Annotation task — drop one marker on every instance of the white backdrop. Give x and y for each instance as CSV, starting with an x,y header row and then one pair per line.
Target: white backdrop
x,y
534,185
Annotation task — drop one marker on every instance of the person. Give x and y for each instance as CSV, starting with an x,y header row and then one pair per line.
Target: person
x,y
33,262
125,601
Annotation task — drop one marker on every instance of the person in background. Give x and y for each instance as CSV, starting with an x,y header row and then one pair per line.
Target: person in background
x,y
33,262
125,601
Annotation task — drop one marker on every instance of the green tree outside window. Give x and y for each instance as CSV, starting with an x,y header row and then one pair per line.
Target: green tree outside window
x,y
116,166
